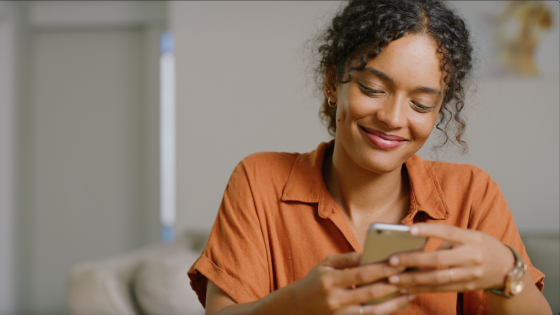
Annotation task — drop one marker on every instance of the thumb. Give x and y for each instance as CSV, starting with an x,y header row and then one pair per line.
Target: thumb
x,y
341,261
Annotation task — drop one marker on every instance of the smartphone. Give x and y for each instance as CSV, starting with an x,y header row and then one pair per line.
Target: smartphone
x,y
383,241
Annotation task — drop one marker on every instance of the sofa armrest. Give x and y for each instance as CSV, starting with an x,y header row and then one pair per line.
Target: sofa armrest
x,y
104,287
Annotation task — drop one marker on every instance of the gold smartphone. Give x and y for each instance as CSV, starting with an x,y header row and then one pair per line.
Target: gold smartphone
x,y
384,240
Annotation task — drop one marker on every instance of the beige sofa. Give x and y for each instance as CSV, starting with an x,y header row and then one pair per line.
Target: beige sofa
x,y
153,280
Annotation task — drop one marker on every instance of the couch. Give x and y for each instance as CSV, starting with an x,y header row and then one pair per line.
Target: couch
x,y
154,281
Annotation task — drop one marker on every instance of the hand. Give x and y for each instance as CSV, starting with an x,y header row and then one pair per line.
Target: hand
x,y
475,261
327,288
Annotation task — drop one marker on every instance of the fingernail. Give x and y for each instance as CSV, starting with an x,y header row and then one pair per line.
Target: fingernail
x,y
403,291
394,260
414,230
411,297
394,279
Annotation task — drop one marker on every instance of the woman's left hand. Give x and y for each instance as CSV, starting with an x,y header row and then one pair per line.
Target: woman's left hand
x,y
475,261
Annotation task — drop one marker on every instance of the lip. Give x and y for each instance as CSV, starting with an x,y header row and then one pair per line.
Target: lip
x,y
382,140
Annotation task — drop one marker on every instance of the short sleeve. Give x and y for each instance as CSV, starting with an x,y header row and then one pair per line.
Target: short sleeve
x,y
490,214
234,257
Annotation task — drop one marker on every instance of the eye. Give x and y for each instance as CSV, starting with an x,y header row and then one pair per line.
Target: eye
x,y
421,108
370,91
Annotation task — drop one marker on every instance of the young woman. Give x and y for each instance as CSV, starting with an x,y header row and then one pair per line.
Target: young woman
x,y
291,227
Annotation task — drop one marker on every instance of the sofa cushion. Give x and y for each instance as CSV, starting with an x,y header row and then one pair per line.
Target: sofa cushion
x,y
103,288
162,287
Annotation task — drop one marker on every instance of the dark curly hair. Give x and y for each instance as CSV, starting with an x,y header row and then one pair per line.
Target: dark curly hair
x,y
366,27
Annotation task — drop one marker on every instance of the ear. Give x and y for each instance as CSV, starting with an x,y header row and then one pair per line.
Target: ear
x,y
331,84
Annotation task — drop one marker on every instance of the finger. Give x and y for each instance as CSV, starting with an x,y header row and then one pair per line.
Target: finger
x,y
368,293
445,245
341,261
389,306
366,274
447,257
457,277
453,287
449,233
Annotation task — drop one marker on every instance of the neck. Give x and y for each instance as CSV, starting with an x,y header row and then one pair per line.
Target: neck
x,y
365,196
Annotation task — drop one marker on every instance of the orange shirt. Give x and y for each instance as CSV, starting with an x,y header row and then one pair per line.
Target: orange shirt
x,y
277,220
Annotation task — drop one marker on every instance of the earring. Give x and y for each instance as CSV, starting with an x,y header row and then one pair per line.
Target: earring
x,y
331,104
435,125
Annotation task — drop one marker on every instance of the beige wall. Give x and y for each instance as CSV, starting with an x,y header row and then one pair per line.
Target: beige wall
x,y
86,187
242,88
82,129
8,22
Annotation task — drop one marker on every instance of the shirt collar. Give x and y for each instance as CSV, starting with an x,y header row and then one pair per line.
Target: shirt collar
x,y
305,184
425,191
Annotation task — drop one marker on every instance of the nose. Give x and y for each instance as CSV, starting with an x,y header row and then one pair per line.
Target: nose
x,y
392,112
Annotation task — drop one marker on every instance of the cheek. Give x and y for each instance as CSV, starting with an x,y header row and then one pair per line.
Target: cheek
x,y
345,114
358,107
345,119
341,114
422,128
352,105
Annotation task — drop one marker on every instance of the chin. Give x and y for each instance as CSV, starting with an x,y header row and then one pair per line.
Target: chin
x,y
382,164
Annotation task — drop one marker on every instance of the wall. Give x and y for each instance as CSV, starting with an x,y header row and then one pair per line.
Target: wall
x,y
78,141
8,21
87,175
243,87
513,124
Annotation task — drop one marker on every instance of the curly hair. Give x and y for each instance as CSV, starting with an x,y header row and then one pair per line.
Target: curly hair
x,y
366,27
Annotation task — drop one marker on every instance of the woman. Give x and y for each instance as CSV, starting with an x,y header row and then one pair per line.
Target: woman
x,y
289,232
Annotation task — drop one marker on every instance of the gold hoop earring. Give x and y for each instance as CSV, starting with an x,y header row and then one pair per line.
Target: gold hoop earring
x,y
331,104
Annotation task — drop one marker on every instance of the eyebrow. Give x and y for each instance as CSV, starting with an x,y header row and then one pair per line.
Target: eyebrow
x,y
379,74
386,77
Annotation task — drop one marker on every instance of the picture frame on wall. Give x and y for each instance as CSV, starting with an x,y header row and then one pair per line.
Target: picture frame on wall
x,y
514,38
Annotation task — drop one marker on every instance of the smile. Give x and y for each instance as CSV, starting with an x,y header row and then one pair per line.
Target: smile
x,y
382,140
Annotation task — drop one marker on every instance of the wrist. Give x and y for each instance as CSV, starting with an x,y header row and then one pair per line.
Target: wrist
x,y
508,263
282,301
514,280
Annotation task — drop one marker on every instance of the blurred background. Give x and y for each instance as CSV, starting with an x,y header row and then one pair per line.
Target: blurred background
x,y
79,122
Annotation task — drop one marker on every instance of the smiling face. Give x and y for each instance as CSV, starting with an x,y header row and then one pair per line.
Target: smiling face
x,y
388,110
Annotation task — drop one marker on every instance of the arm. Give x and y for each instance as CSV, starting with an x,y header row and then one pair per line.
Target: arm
x,y
476,261
325,290
529,301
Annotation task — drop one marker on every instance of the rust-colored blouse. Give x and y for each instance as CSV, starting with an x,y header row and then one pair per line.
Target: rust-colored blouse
x,y
277,220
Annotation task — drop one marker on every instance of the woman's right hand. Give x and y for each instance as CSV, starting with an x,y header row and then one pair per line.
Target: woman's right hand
x,y
327,288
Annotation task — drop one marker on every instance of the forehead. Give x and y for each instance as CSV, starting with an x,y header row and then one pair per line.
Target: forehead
x,y
412,59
